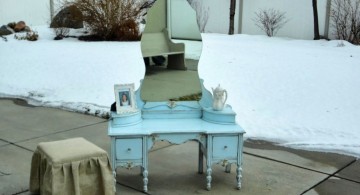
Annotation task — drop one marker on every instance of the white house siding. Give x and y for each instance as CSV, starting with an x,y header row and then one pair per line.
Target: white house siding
x,y
219,16
182,20
33,12
299,13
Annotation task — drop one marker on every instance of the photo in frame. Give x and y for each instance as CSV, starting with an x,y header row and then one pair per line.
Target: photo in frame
x,y
125,98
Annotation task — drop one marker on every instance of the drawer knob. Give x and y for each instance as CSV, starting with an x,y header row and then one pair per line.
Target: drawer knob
x,y
225,147
129,150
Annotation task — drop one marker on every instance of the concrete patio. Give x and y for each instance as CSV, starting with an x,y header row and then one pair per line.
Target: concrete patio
x,y
267,169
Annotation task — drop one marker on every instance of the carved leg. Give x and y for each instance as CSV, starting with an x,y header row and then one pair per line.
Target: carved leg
x,y
114,174
239,161
144,166
208,178
145,174
142,171
113,161
228,168
201,160
209,159
238,176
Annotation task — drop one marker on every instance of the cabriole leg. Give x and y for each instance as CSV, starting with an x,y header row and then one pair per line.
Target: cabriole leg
x,y
208,178
145,174
201,160
228,168
239,176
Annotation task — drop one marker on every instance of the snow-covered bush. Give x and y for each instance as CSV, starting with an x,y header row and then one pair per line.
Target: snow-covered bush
x,y
61,32
116,20
30,36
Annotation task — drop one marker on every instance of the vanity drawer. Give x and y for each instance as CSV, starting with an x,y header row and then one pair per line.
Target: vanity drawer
x,y
225,147
130,148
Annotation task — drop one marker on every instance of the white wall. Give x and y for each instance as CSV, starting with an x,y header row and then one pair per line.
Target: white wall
x,y
219,16
299,13
32,12
182,20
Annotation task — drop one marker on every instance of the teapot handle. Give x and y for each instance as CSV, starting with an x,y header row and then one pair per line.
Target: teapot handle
x,y
226,96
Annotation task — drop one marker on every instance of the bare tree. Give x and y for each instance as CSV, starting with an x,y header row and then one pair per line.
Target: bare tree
x,y
202,14
316,20
232,16
345,16
270,21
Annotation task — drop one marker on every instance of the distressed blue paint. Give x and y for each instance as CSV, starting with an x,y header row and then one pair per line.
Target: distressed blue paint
x,y
220,138
225,116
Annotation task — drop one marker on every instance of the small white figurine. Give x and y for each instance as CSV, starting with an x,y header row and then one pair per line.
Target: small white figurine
x,y
219,97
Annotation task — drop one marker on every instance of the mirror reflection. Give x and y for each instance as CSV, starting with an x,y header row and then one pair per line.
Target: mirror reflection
x,y
171,47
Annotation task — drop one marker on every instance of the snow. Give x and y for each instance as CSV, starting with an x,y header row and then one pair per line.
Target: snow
x,y
69,73
298,93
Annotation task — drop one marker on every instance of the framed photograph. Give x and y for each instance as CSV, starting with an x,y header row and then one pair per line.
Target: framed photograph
x,y
125,98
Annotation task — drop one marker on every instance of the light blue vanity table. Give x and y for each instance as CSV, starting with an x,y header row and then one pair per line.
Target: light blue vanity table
x,y
220,138
134,133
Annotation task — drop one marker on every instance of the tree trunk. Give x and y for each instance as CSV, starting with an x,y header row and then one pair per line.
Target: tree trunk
x,y
232,15
316,20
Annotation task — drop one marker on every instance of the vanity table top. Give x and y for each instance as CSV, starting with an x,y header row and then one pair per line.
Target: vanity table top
x,y
190,125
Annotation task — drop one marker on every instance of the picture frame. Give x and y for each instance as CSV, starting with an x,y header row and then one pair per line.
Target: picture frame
x,y
125,98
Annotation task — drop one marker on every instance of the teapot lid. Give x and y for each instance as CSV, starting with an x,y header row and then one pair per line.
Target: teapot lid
x,y
218,88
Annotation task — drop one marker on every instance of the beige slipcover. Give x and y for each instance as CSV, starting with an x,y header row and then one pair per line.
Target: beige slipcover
x,y
72,166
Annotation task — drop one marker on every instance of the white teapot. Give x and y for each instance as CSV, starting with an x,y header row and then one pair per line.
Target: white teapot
x,y
219,97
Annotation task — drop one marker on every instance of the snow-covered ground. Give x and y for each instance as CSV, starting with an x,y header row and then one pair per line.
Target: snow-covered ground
x,y
298,93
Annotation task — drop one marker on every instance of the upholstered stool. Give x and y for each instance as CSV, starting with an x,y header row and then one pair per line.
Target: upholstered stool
x,y
71,166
